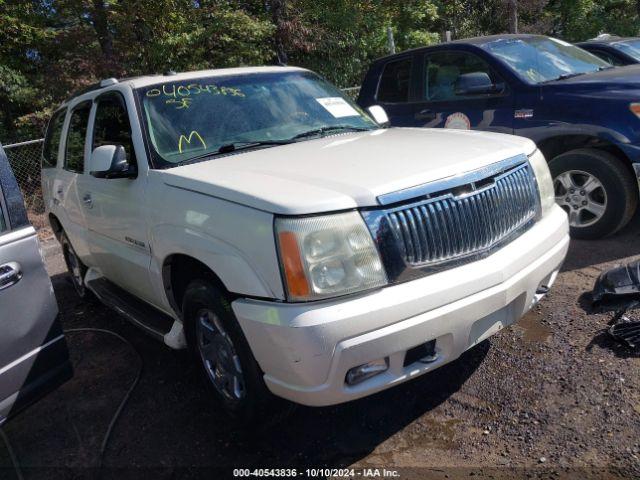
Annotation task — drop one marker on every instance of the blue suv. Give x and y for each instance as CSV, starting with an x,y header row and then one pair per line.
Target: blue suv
x,y
583,113
615,50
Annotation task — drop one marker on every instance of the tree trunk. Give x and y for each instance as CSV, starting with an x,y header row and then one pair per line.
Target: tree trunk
x,y
101,26
278,15
513,16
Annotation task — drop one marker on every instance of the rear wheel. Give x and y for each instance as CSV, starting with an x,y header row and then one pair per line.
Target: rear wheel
x,y
596,190
221,349
76,268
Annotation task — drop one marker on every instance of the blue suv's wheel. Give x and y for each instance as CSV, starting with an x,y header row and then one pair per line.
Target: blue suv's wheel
x,y
597,191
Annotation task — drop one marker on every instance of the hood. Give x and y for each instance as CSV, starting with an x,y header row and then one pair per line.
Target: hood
x,y
343,171
627,77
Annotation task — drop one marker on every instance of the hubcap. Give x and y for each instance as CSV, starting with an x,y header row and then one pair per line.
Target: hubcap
x,y
219,357
582,196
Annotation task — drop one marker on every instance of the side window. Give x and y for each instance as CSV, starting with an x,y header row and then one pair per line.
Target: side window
x,y
607,57
395,82
74,155
112,125
52,140
448,75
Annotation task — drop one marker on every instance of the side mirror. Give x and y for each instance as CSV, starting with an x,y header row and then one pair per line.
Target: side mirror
x,y
379,115
476,83
110,161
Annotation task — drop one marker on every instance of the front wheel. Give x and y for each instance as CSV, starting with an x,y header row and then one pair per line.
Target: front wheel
x,y
221,349
596,190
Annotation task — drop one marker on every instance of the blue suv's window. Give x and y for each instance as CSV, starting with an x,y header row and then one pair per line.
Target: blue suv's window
x,y
541,59
445,70
630,47
395,82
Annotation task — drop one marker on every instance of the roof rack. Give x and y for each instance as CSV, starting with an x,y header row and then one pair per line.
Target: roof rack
x,y
94,86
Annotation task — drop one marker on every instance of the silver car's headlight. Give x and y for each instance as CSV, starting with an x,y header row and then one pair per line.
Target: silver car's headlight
x,y
327,256
545,182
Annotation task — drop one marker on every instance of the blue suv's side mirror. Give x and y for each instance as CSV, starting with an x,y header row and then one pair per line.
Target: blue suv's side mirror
x,y
476,83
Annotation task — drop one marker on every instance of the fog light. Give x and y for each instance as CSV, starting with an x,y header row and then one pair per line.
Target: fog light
x,y
362,372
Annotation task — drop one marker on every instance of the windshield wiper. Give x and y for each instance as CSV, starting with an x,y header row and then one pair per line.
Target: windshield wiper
x,y
564,76
235,147
328,129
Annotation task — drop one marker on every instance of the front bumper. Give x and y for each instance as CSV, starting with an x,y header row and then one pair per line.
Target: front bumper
x,y
306,350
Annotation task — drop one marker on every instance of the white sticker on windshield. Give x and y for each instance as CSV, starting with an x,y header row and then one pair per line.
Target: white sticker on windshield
x,y
337,107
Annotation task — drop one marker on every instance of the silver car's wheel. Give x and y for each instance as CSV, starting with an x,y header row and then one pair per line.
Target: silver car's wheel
x,y
582,196
218,354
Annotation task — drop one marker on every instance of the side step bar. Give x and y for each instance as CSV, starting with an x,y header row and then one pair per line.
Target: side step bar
x,y
151,320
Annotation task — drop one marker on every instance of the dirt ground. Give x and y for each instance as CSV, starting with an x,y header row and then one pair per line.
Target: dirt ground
x,y
551,397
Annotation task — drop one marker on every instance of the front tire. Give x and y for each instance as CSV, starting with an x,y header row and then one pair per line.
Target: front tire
x,y
217,342
596,190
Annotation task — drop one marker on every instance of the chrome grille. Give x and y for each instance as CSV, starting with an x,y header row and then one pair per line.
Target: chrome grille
x,y
464,221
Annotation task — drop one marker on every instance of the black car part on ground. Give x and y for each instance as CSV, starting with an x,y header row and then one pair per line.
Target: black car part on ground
x,y
626,330
620,284
619,289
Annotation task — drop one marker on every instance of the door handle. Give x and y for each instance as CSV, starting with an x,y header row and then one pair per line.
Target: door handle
x,y
426,114
60,193
10,274
87,200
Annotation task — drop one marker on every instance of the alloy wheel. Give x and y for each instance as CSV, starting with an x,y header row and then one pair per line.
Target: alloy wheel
x,y
582,196
219,356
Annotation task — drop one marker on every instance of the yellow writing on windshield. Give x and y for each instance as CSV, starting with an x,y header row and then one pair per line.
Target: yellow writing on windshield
x,y
176,91
182,95
188,140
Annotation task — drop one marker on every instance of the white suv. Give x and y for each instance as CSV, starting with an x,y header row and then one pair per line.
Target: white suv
x,y
297,246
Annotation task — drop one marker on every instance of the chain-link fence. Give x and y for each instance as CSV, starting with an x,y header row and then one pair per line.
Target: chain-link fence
x,y
24,159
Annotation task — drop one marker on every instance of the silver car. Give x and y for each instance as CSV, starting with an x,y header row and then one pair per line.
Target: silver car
x,y
33,352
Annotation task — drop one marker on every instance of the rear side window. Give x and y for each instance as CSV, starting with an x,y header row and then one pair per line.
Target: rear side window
x,y
74,156
111,126
52,140
395,82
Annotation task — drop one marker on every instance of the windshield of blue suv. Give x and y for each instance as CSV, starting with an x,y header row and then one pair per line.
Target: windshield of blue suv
x,y
630,47
543,59
200,118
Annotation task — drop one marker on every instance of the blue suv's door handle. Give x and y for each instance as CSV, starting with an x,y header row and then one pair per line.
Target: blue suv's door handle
x,y
426,114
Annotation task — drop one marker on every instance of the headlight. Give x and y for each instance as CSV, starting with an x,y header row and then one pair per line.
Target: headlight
x,y
635,109
545,182
327,256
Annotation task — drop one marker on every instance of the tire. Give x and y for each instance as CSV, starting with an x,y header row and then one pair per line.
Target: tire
x,y
77,269
609,200
245,397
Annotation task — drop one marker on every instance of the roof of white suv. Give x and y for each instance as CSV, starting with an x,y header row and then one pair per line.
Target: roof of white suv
x,y
146,80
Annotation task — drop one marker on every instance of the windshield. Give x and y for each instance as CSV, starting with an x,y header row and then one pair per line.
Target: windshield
x,y
630,47
542,59
198,118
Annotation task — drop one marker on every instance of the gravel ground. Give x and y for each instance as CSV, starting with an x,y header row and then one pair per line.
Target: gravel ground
x,y
551,397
